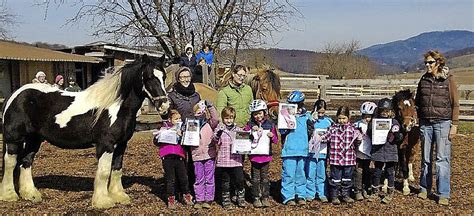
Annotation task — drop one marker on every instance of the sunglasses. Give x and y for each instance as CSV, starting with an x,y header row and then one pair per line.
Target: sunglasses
x,y
430,62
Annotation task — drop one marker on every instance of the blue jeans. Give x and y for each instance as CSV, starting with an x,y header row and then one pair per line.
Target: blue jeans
x,y
293,181
436,133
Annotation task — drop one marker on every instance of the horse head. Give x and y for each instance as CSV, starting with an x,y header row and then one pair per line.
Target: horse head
x,y
405,109
153,78
266,86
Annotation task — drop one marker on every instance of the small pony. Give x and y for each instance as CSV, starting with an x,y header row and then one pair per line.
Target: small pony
x,y
266,86
102,116
405,113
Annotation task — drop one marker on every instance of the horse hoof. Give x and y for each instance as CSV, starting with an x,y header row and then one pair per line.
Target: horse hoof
x,y
411,178
31,195
120,198
9,196
102,202
406,191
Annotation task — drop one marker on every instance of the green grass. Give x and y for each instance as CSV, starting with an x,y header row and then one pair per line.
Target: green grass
x,y
466,127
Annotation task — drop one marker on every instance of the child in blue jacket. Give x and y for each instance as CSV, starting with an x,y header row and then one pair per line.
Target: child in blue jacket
x,y
315,167
294,153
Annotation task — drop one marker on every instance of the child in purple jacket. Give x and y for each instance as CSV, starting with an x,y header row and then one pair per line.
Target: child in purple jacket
x,y
173,159
260,163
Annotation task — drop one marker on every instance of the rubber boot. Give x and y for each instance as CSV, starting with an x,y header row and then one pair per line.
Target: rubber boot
x,y
241,198
388,196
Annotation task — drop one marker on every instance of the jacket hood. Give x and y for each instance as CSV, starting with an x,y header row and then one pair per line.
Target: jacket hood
x,y
188,46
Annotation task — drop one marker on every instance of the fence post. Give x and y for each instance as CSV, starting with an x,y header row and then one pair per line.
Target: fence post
x,y
205,74
322,90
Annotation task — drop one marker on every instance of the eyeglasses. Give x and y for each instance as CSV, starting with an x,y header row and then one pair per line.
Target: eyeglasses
x,y
430,62
184,77
241,75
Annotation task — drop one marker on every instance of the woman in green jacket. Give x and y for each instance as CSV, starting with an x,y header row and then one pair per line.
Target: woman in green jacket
x,y
236,94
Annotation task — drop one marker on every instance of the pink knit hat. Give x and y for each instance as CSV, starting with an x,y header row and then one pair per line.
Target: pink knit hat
x,y
58,77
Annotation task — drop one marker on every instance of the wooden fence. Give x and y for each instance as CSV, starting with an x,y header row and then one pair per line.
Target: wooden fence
x,y
363,89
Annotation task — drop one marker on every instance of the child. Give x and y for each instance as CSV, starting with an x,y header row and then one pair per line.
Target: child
x,y
260,163
173,162
385,154
229,166
315,166
362,172
204,155
294,153
341,137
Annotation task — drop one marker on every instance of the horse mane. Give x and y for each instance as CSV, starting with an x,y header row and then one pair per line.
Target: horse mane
x,y
401,95
268,76
114,87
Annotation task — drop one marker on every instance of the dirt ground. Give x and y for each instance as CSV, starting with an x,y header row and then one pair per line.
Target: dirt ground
x,y
65,179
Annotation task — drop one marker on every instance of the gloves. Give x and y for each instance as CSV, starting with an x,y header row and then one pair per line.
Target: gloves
x,y
453,131
270,134
219,133
255,128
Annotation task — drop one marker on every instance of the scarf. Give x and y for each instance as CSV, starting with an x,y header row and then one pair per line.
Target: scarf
x,y
186,91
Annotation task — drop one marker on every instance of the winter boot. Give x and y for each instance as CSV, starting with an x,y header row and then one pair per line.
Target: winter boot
x,y
374,194
335,201
388,196
359,197
347,199
188,199
226,202
257,203
241,198
266,202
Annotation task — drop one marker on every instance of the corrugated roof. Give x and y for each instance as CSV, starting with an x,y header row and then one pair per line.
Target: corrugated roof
x,y
21,52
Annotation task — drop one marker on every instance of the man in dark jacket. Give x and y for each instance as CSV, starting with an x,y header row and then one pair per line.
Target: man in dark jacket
x,y
437,101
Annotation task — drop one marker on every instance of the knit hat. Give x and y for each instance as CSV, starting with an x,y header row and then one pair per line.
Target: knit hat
x,y
181,69
58,78
40,73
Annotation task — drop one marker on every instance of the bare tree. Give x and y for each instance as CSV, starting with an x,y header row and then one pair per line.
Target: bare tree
x,y
171,24
7,21
341,61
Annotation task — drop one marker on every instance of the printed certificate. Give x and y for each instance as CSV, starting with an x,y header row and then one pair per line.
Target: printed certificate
x,y
191,135
261,143
287,116
242,143
380,129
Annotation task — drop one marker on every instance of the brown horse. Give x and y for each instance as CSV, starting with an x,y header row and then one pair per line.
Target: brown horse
x,y
266,85
405,112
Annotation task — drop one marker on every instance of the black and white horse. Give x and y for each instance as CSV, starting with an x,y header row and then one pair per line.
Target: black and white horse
x,y
104,116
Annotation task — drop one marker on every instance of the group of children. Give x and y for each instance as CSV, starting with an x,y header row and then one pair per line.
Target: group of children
x,y
305,152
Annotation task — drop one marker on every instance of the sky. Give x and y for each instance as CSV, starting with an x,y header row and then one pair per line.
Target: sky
x,y
322,22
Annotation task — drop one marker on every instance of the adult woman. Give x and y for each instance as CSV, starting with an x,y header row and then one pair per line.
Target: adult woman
x,y
40,77
236,94
59,82
184,96
437,100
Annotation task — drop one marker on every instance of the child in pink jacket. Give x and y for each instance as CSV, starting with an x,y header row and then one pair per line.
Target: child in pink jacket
x,y
173,158
204,155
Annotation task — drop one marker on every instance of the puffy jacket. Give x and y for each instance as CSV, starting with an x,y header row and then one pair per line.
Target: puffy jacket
x,y
208,57
237,97
225,158
187,61
165,148
437,99
387,152
207,148
296,141
183,104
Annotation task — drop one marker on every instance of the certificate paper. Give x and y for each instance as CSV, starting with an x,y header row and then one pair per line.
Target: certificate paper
x,y
168,137
261,143
287,116
380,129
316,145
191,136
242,143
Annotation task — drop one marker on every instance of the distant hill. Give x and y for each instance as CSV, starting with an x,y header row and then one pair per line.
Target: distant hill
x,y
403,54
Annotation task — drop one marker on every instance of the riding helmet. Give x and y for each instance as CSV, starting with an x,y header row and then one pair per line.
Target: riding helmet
x,y
257,105
368,108
385,104
295,97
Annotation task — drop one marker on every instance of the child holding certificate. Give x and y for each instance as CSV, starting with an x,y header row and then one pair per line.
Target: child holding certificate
x,y
315,166
261,126
294,153
386,154
173,159
342,139
229,166
204,155
362,171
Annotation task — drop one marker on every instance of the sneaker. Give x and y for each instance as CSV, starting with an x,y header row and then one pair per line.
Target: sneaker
x,y
206,205
359,197
301,202
198,205
291,203
423,195
443,201
347,199
335,201
188,199
257,203
323,199
266,202
171,202
309,200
